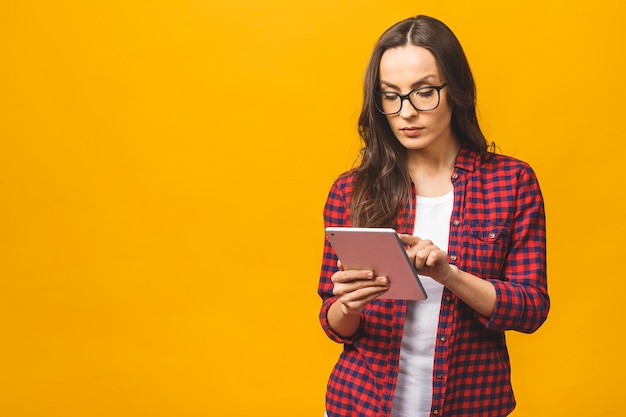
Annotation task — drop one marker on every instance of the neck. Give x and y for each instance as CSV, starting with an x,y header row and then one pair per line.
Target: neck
x,y
431,170
433,160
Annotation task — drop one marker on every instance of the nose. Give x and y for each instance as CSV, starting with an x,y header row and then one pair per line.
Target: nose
x,y
407,110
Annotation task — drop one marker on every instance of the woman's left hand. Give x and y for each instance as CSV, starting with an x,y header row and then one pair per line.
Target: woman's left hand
x,y
427,258
431,261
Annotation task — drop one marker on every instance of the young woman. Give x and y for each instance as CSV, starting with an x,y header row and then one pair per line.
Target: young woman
x,y
474,226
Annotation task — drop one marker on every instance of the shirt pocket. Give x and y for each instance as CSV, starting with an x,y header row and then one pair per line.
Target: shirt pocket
x,y
489,245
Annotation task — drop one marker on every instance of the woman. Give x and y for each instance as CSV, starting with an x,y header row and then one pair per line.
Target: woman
x,y
474,226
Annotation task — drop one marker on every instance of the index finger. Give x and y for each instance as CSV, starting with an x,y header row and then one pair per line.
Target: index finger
x,y
409,239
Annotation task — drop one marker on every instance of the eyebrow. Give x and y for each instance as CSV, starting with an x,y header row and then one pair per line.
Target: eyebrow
x,y
414,85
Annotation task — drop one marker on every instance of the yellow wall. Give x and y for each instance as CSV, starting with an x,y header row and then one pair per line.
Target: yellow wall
x,y
163,166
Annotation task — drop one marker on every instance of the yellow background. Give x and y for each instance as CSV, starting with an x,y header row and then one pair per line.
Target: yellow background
x,y
163,166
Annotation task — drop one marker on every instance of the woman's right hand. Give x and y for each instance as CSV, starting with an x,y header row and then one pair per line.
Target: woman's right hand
x,y
355,288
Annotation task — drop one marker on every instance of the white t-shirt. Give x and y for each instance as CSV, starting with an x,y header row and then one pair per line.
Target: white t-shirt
x,y
413,395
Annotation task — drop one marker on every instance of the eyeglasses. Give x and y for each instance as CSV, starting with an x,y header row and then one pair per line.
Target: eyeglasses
x,y
422,99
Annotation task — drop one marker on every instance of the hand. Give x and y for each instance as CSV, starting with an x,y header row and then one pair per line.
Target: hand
x,y
355,288
427,258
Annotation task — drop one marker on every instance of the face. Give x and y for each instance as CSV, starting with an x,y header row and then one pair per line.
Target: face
x,y
402,70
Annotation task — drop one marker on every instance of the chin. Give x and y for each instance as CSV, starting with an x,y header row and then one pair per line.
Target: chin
x,y
414,144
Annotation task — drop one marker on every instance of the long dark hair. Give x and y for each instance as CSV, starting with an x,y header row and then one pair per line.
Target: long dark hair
x,y
382,184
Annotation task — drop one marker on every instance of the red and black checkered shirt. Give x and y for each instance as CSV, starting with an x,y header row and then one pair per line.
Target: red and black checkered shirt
x,y
497,232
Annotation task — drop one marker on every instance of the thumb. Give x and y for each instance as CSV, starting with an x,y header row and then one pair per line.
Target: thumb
x,y
340,265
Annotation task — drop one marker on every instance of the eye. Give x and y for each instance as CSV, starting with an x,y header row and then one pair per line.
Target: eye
x,y
425,92
388,96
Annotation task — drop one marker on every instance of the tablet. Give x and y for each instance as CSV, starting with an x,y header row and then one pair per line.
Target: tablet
x,y
379,250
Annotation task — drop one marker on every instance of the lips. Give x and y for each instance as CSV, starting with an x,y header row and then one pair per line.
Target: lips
x,y
412,131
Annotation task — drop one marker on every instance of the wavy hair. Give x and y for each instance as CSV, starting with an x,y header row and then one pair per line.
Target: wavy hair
x,y
382,183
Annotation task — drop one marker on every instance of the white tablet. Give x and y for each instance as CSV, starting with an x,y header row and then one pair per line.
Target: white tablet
x,y
379,250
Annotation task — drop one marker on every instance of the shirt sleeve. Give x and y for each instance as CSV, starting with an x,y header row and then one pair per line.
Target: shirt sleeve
x,y
522,301
336,214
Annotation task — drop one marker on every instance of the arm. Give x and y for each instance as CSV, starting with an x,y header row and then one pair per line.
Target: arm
x,y
429,260
522,301
517,299
344,293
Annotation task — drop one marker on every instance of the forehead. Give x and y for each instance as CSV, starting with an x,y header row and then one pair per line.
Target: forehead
x,y
407,64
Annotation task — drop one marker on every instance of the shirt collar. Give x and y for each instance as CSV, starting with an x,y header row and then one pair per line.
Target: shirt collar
x,y
467,159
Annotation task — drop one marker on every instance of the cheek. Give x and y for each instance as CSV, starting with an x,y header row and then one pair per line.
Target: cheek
x,y
392,121
443,115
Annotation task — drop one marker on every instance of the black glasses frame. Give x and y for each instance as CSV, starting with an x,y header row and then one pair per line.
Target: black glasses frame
x,y
407,96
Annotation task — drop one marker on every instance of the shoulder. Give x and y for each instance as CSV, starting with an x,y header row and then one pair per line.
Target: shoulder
x,y
503,166
496,172
505,178
343,183
341,188
337,207
507,162
493,164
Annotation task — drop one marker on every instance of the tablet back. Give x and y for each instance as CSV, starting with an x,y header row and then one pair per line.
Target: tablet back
x,y
380,250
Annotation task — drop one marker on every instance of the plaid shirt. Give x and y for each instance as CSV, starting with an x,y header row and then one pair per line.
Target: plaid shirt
x,y
497,232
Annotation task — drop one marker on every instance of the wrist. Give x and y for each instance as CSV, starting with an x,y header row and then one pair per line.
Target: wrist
x,y
451,276
346,310
342,321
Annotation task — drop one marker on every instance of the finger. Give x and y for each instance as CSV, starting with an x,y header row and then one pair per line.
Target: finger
x,y
425,245
422,253
424,248
409,240
419,262
345,287
352,275
436,257
362,295
356,306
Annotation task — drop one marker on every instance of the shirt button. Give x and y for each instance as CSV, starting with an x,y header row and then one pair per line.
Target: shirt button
x,y
453,257
456,222
492,235
443,339
448,299
455,175
439,376
436,412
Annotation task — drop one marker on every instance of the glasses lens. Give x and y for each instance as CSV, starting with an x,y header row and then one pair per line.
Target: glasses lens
x,y
425,99
389,103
